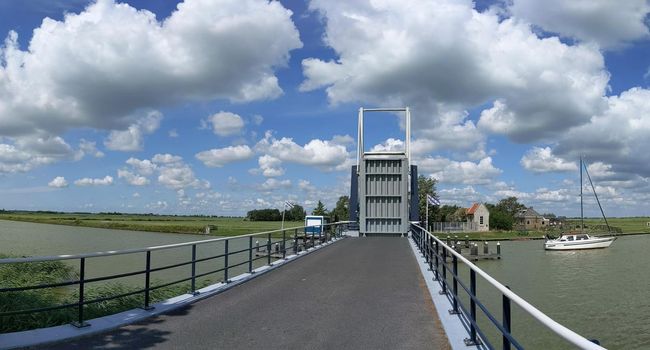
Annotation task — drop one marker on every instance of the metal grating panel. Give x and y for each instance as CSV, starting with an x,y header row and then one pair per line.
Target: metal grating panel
x,y
383,193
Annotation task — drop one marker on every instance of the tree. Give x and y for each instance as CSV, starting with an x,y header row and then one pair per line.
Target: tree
x,y
264,215
341,212
426,185
297,213
500,220
444,213
320,209
510,205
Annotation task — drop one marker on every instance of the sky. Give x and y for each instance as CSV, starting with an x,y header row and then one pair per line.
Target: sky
x,y
218,107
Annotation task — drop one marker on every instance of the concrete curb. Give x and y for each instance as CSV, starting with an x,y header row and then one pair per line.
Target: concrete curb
x,y
453,326
57,334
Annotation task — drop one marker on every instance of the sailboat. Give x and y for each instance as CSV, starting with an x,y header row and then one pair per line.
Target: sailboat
x,y
581,240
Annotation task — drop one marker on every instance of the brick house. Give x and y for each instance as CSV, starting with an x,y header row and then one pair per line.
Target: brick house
x,y
529,219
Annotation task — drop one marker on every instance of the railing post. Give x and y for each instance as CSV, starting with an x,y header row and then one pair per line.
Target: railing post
x,y
284,244
436,257
430,252
82,276
506,321
444,271
147,280
295,241
454,266
250,254
473,340
268,250
194,269
225,261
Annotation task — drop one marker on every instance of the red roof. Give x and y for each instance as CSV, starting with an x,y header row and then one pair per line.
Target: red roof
x,y
473,208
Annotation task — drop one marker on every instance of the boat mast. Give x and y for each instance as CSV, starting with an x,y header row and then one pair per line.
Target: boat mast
x,y
582,217
597,201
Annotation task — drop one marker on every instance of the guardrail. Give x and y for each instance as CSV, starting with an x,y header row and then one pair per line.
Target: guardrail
x,y
436,253
278,238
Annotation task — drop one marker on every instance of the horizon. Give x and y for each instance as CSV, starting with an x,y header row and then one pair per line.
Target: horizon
x,y
218,108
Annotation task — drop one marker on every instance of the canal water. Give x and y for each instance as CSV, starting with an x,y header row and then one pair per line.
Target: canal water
x,y
601,294
30,239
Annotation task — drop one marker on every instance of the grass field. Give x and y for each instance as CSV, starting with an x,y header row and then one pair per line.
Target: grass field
x,y
167,224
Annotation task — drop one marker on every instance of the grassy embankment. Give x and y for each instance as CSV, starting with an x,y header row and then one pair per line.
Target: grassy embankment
x,y
29,274
152,223
631,225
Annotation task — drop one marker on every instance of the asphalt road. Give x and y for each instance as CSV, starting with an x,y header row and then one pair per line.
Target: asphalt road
x,y
360,293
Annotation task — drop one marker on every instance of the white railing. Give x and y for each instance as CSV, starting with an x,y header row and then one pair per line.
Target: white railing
x,y
430,245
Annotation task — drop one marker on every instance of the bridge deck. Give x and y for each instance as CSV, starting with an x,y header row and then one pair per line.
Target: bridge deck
x,y
360,293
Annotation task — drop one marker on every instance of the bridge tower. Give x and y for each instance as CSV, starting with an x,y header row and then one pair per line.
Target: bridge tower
x,y
383,191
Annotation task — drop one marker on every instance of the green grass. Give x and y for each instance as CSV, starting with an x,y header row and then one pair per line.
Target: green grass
x,y
627,225
166,224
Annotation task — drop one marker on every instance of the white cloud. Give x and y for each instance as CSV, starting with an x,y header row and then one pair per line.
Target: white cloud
x,y
270,166
560,195
143,167
89,147
463,196
327,155
86,181
132,139
159,205
173,133
166,158
387,55
390,145
32,151
455,172
608,23
226,123
218,157
273,184
542,160
58,182
131,178
618,137
95,68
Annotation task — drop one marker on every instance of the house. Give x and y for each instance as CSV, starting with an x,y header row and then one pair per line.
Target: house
x,y
529,219
479,215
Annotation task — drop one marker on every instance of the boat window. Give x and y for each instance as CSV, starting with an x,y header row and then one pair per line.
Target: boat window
x,y
570,238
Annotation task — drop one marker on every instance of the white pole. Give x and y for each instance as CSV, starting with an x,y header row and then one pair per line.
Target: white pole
x,y
283,210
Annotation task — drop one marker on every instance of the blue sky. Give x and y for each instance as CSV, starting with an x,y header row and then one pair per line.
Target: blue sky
x,y
219,107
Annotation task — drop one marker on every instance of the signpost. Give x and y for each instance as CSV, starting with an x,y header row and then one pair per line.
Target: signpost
x,y
286,205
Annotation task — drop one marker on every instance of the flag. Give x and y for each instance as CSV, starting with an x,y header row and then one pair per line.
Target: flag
x,y
288,204
432,200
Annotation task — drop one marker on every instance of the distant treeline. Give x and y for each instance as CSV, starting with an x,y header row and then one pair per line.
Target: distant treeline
x,y
50,212
297,213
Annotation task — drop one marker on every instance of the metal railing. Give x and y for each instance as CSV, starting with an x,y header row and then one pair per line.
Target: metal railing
x,y
436,253
456,226
275,238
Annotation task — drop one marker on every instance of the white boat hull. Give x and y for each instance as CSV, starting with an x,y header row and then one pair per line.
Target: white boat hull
x,y
591,243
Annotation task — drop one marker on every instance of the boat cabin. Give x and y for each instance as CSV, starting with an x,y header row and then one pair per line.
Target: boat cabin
x,y
574,237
